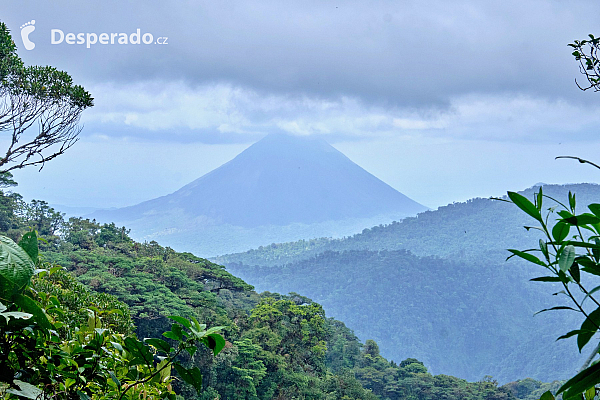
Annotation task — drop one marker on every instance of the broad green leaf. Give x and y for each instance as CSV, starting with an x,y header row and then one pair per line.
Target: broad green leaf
x,y
525,205
183,321
588,328
171,335
582,381
566,258
565,214
595,209
165,373
140,352
27,390
176,332
582,219
547,396
28,305
191,376
16,268
590,393
159,344
585,261
215,342
560,231
528,257
191,350
215,329
29,243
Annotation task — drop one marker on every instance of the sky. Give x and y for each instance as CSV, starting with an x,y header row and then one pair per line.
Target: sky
x,y
443,100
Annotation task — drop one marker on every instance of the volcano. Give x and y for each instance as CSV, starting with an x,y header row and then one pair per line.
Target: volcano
x,y
278,181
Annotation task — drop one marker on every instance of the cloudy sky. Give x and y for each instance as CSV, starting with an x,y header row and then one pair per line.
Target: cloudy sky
x,y
443,100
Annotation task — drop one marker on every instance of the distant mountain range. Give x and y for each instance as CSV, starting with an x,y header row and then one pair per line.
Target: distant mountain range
x,y
437,286
280,188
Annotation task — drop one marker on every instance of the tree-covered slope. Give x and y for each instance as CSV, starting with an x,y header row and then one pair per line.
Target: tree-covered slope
x,y
467,319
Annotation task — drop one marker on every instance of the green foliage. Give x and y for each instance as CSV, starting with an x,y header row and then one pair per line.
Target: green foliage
x,y
586,52
570,253
88,357
31,98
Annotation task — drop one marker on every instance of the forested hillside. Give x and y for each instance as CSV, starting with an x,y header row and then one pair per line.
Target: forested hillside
x,y
276,346
468,319
436,287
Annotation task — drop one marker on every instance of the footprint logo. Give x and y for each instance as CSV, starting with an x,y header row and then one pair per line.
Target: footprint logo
x,y
26,29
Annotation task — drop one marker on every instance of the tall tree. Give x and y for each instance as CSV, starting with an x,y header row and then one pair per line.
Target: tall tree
x,y
40,109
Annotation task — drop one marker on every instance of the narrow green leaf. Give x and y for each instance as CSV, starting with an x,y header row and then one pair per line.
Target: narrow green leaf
x,y
555,308
525,205
583,380
114,378
540,197
544,249
528,257
566,259
572,201
569,334
546,279
591,292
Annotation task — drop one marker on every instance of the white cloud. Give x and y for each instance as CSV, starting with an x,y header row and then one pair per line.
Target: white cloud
x,y
224,108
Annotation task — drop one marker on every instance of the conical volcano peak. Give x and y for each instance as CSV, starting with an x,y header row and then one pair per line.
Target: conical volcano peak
x,y
279,181
282,145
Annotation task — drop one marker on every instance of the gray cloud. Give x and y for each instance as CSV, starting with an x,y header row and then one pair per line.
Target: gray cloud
x,y
409,53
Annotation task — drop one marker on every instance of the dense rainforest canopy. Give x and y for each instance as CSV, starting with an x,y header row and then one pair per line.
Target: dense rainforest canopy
x,y
276,346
